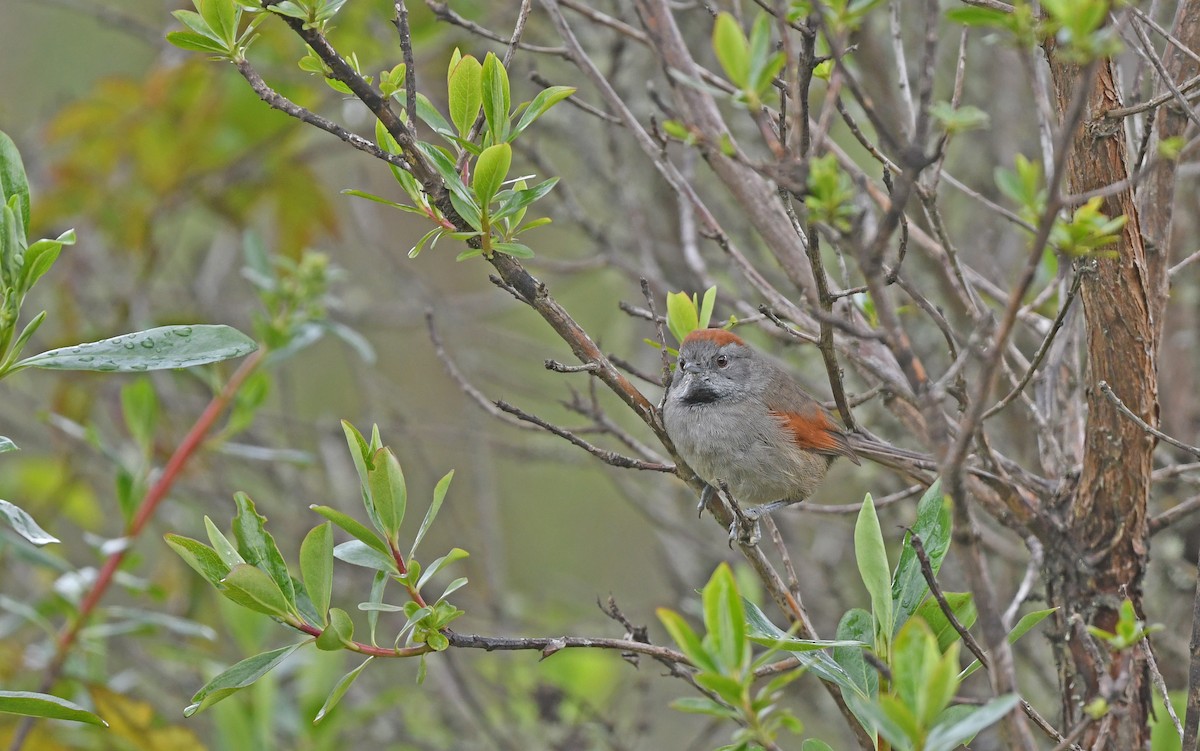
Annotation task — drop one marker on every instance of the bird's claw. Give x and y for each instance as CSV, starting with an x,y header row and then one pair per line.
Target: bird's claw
x,y
745,530
705,497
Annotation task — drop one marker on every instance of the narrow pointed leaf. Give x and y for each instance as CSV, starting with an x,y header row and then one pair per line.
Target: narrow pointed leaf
x,y
358,553
153,349
33,704
257,546
316,567
871,556
13,181
388,492
23,524
496,102
439,495
252,588
238,676
203,559
221,544
355,528
465,93
339,690
491,170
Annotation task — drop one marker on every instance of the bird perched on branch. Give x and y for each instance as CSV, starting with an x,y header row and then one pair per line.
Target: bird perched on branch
x,y
741,421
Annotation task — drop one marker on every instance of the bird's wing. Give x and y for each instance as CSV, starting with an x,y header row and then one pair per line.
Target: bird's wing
x,y
811,427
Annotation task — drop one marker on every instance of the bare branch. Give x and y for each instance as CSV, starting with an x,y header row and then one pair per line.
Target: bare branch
x,y
1120,405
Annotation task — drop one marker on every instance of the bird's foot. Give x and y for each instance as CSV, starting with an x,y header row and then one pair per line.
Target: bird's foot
x,y
745,527
705,498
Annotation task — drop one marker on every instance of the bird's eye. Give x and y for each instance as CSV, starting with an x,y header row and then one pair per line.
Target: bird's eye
x,y
682,363
722,361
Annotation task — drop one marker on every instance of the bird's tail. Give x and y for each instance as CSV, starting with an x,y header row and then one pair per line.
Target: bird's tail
x,y
891,456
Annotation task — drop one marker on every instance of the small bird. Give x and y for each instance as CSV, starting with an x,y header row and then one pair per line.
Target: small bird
x,y
741,421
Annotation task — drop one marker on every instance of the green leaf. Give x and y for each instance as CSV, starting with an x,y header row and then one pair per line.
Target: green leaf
x,y
976,16
934,526
316,567
512,203
252,588
139,406
496,102
7,445
465,89
258,548
238,677
354,528
203,559
1027,622
360,452
338,633
682,317
193,42
439,495
468,210
153,349
686,639
378,585
732,49
706,307
22,523
40,257
951,736
339,690
380,199
13,181
45,705
813,744
725,620
388,492
762,631
491,170
429,115
224,549
222,17
456,554
453,587
857,625
516,250
23,338
706,706
871,556
358,553
877,720
962,604
545,99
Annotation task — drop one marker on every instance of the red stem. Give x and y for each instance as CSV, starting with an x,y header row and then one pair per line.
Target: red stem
x,y
150,502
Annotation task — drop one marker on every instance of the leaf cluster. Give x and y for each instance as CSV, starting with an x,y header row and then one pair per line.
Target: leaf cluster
x,y
252,572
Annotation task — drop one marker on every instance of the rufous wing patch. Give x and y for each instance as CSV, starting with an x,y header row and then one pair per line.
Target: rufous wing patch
x,y
817,432
719,337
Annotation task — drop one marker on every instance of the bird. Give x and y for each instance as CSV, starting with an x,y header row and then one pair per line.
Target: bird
x,y
742,422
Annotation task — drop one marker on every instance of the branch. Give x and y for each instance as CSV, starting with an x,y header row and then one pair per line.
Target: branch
x,y
604,455
1120,405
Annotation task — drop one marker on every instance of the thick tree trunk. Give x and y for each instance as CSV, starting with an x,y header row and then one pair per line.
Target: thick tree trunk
x,y
1104,535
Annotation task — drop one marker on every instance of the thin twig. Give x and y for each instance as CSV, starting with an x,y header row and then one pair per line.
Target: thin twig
x,y
410,67
1192,716
1165,519
1041,352
1161,684
604,455
936,590
285,105
854,508
1120,405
